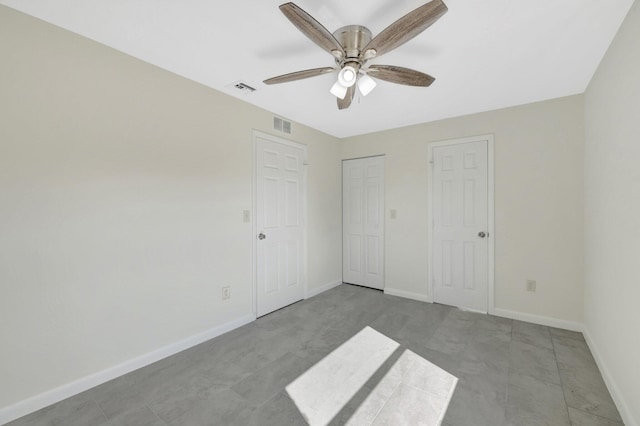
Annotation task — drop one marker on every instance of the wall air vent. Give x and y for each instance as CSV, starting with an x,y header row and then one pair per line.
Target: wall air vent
x,y
242,87
281,125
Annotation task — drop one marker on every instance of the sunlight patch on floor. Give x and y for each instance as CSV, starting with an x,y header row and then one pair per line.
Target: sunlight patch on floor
x,y
413,390
322,391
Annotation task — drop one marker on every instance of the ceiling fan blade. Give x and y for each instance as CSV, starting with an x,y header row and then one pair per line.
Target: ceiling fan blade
x,y
346,102
299,75
400,75
405,28
313,29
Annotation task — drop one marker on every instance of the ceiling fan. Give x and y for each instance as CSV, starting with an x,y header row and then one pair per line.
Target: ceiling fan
x,y
352,46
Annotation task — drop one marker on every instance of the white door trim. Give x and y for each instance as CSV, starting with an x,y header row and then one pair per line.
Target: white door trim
x,y
254,231
490,212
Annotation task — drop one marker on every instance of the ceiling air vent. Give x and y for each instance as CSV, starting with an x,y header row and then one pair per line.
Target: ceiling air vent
x,y
242,87
282,125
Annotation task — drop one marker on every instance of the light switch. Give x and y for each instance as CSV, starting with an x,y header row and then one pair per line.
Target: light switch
x,y
392,214
246,215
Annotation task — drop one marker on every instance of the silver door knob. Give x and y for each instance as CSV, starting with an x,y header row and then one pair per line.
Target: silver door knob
x,y
261,236
482,234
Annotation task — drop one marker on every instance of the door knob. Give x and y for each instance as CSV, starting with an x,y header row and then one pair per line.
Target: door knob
x,y
482,234
261,236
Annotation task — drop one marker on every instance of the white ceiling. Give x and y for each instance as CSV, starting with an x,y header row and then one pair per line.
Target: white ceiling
x,y
484,54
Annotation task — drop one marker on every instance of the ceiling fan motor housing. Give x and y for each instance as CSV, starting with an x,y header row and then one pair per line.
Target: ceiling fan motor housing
x,y
353,38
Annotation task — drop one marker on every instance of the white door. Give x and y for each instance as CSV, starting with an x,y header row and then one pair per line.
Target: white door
x,y
460,225
279,224
363,222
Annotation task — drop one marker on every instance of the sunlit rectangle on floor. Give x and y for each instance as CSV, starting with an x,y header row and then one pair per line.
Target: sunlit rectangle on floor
x,y
413,392
322,391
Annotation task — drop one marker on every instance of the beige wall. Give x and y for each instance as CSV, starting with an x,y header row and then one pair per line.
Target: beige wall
x,y
122,190
612,216
538,202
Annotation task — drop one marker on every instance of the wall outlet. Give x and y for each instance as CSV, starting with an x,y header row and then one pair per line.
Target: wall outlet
x,y
531,286
226,292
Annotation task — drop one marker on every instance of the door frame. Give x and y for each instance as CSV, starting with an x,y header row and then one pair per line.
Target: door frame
x,y
254,209
490,213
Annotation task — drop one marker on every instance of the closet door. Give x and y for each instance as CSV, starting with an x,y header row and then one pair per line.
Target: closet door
x,y
363,222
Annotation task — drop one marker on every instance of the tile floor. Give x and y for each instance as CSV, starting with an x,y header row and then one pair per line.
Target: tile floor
x,y
510,372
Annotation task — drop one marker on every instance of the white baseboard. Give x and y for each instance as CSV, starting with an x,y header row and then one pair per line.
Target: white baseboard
x,y
620,402
407,294
45,399
316,291
538,319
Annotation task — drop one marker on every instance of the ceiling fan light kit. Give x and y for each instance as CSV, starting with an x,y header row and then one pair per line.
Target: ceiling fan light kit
x,y
338,90
366,84
352,46
347,76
